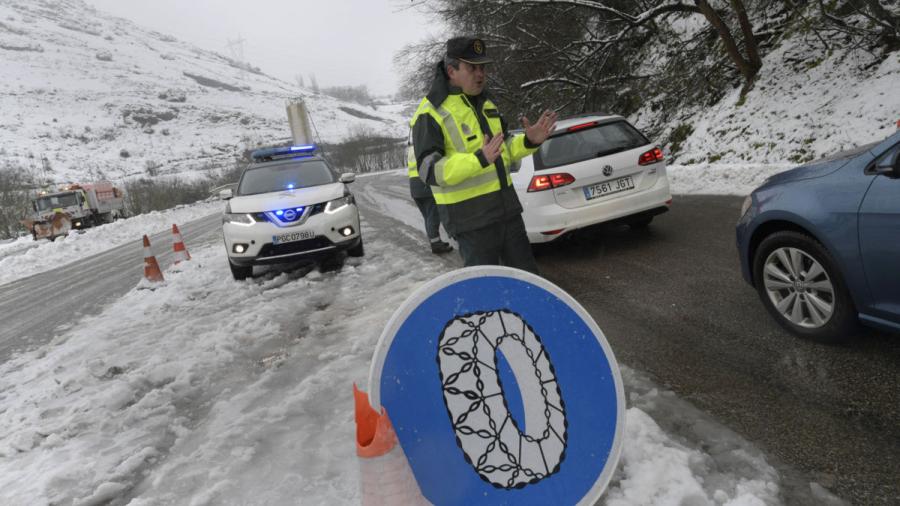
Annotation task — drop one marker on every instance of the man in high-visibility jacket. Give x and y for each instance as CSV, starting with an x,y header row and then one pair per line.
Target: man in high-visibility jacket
x,y
424,200
462,152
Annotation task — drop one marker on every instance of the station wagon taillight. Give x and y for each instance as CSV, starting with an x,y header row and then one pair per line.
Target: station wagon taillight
x,y
652,156
546,182
582,126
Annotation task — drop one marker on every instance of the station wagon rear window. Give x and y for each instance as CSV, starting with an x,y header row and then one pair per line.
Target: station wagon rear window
x,y
586,141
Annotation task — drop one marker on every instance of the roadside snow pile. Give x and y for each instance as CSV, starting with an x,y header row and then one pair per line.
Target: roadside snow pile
x,y
204,389
25,257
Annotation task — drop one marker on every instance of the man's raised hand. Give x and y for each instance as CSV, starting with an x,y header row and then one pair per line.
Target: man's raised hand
x,y
538,132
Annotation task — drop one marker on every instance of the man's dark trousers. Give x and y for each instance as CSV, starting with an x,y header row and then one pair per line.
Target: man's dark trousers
x,y
432,221
504,243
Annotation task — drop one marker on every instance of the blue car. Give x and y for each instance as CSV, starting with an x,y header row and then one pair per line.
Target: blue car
x,y
821,243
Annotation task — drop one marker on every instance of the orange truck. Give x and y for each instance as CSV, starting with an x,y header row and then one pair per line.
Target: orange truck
x,y
74,206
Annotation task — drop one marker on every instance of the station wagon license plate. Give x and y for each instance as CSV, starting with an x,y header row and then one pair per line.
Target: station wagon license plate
x,y
293,236
608,187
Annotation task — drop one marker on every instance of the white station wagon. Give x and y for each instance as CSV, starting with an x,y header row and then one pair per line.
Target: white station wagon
x,y
289,206
592,169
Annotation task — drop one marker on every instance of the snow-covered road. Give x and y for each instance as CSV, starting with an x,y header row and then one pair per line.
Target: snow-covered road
x,y
43,302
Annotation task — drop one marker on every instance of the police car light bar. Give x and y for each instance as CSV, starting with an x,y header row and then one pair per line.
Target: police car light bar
x,y
283,151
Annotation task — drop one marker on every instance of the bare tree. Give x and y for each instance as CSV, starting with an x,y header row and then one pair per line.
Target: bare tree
x,y
417,61
868,21
15,184
748,65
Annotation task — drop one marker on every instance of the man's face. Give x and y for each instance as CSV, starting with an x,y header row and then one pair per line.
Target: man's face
x,y
471,78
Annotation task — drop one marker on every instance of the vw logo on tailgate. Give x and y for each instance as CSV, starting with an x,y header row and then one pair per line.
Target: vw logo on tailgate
x,y
607,170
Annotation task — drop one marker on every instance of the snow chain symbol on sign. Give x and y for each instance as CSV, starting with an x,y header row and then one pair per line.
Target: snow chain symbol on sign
x,y
493,443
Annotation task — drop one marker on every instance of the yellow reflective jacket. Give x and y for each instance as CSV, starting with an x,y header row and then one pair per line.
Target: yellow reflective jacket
x,y
449,130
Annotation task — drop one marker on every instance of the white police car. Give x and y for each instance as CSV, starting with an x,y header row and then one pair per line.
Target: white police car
x,y
289,205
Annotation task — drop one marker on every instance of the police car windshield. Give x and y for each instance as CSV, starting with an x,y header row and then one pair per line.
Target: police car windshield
x,y
291,174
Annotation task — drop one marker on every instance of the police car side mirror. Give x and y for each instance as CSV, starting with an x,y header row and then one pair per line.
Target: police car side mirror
x,y
226,194
348,177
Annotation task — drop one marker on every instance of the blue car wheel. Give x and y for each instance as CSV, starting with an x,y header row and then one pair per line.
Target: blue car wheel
x,y
801,287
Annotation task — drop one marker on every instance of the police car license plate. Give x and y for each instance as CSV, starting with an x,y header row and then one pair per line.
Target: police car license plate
x,y
608,187
293,236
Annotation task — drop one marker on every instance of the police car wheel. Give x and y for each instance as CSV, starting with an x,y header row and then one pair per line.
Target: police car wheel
x,y
358,250
241,272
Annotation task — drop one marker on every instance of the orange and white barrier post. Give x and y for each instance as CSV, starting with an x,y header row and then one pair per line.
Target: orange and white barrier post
x,y
385,475
181,253
151,267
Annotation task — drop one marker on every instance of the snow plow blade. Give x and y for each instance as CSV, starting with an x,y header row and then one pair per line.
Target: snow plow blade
x,y
57,226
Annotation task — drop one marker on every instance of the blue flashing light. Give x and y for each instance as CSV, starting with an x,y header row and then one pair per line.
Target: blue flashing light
x,y
284,151
288,215
290,186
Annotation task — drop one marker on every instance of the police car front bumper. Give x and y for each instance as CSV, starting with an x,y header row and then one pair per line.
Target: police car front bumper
x,y
320,236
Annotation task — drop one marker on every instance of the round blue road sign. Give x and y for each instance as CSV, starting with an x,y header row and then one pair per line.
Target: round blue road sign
x,y
502,390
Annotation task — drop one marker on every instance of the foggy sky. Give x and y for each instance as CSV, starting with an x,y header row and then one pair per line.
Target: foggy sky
x,y
342,42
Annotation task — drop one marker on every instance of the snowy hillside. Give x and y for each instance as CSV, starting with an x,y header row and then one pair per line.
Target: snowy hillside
x,y
99,96
809,101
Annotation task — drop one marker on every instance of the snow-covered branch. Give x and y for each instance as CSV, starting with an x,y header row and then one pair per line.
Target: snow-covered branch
x,y
632,19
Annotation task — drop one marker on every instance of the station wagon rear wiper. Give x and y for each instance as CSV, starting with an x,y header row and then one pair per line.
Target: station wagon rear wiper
x,y
612,151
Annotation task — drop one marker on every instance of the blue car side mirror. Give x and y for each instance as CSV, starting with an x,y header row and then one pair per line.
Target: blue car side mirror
x,y
889,167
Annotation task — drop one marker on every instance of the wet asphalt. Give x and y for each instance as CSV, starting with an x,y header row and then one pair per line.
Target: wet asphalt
x,y
672,303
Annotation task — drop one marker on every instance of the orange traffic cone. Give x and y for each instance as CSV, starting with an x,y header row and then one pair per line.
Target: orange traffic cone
x,y
385,476
151,268
181,253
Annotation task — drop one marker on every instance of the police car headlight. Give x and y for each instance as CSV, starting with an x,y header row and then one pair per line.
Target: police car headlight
x,y
237,218
336,205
